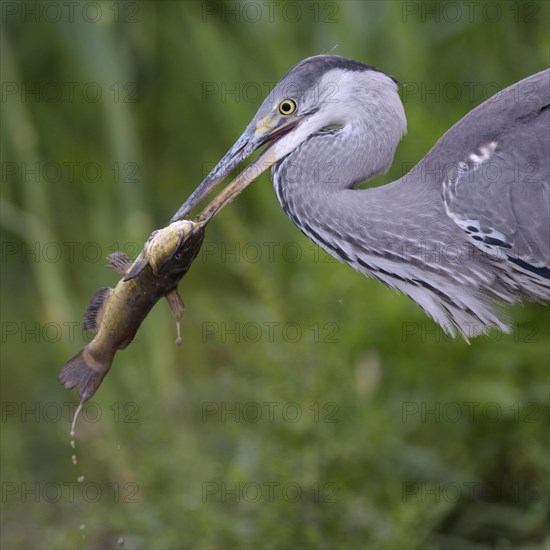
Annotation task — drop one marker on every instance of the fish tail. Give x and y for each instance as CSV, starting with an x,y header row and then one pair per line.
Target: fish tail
x,y
84,371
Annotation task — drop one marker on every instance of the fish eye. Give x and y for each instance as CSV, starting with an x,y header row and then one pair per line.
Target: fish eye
x,y
287,107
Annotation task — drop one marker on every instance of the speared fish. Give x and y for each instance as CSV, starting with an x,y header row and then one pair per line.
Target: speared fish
x,y
115,314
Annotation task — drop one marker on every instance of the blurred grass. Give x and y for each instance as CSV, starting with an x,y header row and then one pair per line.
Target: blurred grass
x,y
367,357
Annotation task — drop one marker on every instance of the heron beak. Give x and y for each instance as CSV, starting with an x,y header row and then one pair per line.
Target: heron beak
x,y
267,130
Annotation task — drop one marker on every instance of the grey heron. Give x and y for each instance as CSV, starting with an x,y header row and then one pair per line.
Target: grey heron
x,y
466,231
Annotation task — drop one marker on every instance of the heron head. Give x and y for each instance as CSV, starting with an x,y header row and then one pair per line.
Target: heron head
x,y
320,93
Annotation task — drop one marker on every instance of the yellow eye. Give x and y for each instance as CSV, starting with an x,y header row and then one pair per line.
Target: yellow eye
x,y
287,107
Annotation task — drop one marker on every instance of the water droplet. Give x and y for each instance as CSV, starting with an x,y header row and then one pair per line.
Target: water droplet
x,y
74,460
120,541
82,526
73,443
77,412
80,479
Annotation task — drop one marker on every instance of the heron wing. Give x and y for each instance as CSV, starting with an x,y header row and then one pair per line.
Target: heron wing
x,y
493,168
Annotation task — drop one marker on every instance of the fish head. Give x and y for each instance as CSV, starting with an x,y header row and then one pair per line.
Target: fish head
x,y
173,248
170,250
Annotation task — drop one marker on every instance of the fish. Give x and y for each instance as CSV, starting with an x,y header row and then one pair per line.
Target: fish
x,y
115,314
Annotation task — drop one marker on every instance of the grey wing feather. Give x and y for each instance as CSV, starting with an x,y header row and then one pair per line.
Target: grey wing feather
x,y
495,180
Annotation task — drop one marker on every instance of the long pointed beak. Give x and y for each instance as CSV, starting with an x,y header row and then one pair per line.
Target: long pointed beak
x,y
242,149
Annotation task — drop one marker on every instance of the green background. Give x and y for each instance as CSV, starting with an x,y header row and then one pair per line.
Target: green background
x,y
356,422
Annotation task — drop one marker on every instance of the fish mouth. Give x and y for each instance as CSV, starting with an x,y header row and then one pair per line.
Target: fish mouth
x,y
241,150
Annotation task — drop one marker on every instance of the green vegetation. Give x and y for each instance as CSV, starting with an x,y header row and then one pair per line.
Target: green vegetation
x,y
406,438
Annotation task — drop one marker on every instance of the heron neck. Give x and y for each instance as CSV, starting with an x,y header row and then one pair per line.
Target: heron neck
x,y
316,187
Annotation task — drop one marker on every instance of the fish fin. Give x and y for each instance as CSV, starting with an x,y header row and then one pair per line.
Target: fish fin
x,y
137,267
84,371
92,317
176,305
120,262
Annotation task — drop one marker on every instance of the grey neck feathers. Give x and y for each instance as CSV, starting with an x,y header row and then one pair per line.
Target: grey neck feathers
x,y
316,186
